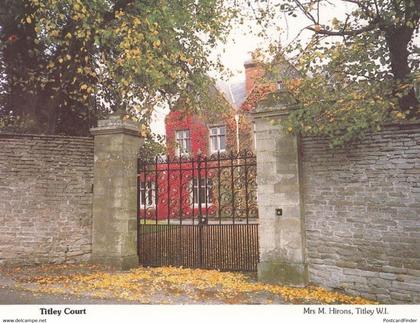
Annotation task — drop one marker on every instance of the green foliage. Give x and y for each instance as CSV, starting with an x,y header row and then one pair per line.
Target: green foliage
x,y
347,94
68,62
154,145
357,73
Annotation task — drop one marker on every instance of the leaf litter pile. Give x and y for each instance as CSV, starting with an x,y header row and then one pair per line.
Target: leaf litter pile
x,y
166,285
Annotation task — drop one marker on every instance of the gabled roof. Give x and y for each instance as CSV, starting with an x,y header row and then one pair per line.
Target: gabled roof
x,y
235,93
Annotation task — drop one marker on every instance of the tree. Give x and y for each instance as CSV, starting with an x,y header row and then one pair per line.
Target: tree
x,y
358,72
154,145
67,62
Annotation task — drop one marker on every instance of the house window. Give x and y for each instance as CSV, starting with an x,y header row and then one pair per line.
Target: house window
x,y
217,139
202,193
147,194
183,141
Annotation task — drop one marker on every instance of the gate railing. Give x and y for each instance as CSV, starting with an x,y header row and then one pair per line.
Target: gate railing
x,y
198,211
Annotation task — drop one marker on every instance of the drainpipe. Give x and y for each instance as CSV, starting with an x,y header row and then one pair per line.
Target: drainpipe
x,y
237,132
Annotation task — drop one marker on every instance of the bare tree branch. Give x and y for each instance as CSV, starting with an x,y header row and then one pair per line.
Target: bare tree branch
x,y
353,32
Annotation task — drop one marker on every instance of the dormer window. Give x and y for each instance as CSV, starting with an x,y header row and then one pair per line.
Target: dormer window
x,y
217,139
183,141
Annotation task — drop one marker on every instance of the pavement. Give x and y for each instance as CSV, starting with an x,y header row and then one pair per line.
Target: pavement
x,y
92,284
10,296
17,288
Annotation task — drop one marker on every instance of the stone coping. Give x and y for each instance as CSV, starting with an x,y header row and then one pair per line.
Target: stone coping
x,y
33,135
116,125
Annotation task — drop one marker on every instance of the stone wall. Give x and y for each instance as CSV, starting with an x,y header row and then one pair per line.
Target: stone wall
x,y
45,198
362,214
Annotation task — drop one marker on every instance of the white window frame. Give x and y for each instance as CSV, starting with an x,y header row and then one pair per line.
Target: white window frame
x,y
183,142
149,190
195,191
217,135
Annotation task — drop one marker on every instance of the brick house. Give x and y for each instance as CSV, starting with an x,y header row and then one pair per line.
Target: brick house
x,y
188,134
191,136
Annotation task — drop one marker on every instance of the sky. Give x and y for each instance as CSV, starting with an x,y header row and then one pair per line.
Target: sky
x,y
242,42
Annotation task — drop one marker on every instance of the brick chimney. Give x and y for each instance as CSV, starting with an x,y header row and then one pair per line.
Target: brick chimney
x,y
253,73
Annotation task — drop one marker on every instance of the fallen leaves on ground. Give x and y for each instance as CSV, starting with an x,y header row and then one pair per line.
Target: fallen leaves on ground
x,y
166,285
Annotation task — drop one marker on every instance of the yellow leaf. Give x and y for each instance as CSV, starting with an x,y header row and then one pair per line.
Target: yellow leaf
x,y
28,20
400,115
83,86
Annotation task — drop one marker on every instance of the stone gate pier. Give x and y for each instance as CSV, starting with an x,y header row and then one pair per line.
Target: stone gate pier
x,y
281,232
114,228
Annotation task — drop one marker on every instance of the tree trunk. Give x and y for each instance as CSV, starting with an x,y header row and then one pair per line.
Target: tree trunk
x,y
397,41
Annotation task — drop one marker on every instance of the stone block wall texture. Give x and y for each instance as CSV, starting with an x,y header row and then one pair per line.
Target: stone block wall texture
x,y
362,214
45,199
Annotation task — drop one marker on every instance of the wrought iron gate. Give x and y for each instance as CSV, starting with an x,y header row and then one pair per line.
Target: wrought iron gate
x,y
198,212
